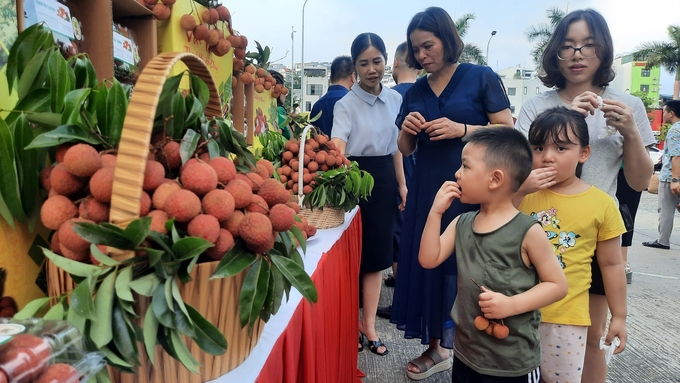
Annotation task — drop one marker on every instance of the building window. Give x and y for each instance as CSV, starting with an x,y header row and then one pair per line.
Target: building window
x,y
645,72
538,90
314,89
644,88
512,91
315,72
308,106
525,90
653,89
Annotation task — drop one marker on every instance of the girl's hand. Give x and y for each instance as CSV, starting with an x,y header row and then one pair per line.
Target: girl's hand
x,y
494,305
413,123
403,191
585,103
541,178
445,196
619,116
443,129
617,327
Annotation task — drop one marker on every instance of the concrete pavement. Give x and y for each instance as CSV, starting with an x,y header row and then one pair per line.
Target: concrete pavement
x,y
653,350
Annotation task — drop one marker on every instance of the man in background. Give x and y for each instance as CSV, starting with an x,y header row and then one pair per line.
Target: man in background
x,y
404,76
342,79
669,177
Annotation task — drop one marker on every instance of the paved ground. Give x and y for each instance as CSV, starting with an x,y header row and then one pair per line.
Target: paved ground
x,y
653,307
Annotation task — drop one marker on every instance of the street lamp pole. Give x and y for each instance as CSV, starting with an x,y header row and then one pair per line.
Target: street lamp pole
x,y
487,47
292,68
302,68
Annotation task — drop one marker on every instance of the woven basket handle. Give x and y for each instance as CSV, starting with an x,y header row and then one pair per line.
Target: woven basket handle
x,y
137,128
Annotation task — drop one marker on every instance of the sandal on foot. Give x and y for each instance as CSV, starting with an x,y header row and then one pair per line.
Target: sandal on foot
x,y
361,342
374,345
425,371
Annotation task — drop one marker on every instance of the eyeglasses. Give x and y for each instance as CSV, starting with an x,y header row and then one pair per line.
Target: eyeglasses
x,y
567,52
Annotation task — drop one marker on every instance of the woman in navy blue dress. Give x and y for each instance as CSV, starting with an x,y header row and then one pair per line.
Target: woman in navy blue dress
x,y
438,111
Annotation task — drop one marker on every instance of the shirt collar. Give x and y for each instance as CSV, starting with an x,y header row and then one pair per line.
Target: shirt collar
x,y
337,87
370,98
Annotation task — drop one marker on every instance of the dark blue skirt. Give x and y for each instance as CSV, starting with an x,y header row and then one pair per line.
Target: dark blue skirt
x,y
377,213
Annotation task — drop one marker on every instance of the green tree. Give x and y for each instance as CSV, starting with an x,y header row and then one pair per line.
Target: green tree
x,y
472,53
648,101
664,54
541,33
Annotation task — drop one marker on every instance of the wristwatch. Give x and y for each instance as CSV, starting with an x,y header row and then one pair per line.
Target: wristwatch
x,y
675,179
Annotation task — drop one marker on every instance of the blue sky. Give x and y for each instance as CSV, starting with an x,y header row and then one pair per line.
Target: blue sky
x,y
331,25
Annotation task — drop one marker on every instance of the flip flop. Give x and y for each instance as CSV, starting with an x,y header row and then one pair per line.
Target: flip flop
x,y
439,365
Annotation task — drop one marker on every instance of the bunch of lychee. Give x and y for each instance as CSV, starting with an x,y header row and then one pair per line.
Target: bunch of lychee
x,y
492,327
263,81
161,9
210,27
25,358
206,196
319,154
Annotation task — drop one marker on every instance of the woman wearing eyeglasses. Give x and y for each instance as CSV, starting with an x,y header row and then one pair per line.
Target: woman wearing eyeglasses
x,y
577,62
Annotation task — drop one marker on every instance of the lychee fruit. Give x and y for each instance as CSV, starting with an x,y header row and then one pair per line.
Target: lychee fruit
x,y
200,32
188,22
225,169
204,226
258,204
233,222
94,260
158,220
55,246
169,2
223,47
262,171
93,210
501,331
59,372
170,154
150,2
65,183
255,179
69,239
101,184
264,247
162,192
293,205
161,11
224,243
273,192
310,230
481,323
223,13
241,191
210,16
154,175
109,160
183,205
57,210
282,217
144,204
82,160
489,329
199,177
213,37
255,229
45,177
219,203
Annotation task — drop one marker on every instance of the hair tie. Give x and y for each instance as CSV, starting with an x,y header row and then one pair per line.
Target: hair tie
x,y
465,131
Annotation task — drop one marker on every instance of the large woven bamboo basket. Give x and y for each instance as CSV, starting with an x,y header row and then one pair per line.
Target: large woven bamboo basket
x,y
325,218
218,299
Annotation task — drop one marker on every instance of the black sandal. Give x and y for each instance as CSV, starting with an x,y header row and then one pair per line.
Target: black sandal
x,y
374,345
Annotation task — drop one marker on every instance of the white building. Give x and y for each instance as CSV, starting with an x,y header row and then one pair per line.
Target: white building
x,y
521,84
316,83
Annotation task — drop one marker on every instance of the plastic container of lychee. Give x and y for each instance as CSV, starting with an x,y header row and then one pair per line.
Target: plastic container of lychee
x,y
45,351
325,218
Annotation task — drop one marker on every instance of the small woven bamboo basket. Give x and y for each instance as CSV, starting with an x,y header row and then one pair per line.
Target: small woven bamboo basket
x,y
325,218
218,299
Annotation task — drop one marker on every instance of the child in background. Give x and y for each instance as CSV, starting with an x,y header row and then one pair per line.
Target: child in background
x,y
577,218
501,249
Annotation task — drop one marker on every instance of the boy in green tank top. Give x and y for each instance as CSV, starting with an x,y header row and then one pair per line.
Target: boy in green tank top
x,y
503,250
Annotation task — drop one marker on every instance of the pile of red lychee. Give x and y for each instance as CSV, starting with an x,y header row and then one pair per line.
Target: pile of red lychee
x,y
206,196
492,327
162,9
263,81
320,154
27,358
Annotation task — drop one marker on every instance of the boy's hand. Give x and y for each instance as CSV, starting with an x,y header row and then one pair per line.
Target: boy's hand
x,y
617,327
445,196
495,305
538,179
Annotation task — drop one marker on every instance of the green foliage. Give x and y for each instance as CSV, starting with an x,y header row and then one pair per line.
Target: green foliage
x,y
541,33
647,101
341,188
663,53
260,58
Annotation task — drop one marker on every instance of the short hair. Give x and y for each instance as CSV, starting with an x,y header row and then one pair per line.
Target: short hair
x,y
341,68
365,41
439,22
673,106
550,74
402,51
507,149
554,124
